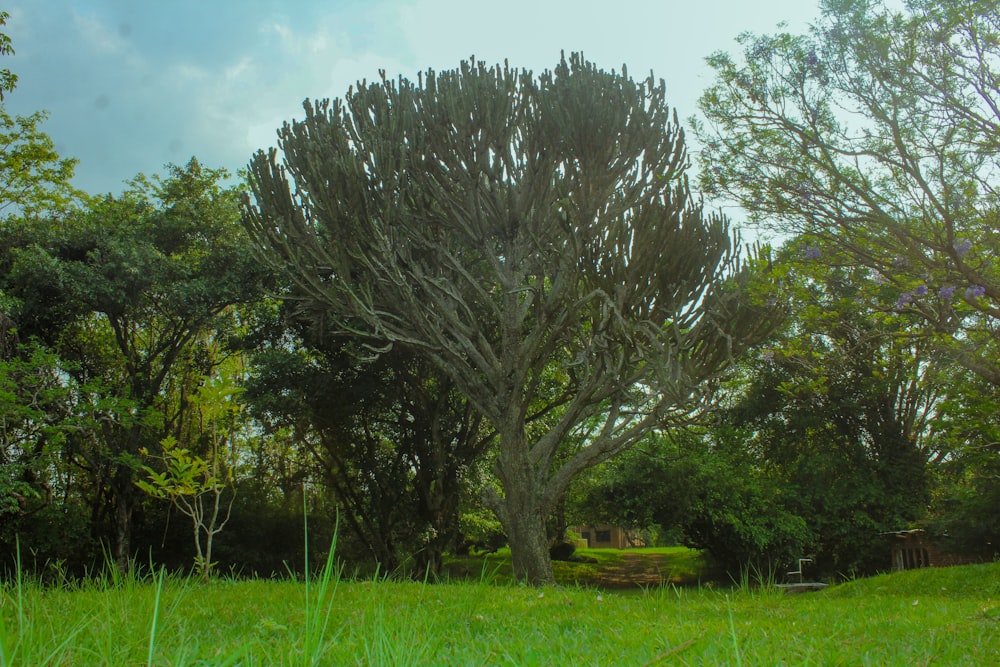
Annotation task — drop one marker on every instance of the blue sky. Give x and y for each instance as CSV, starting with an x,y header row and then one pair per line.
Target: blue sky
x,y
132,85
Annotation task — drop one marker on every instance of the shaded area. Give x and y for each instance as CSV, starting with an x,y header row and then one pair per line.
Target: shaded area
x,y
598,568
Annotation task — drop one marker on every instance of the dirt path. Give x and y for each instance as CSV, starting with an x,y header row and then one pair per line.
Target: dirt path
x,y
636,570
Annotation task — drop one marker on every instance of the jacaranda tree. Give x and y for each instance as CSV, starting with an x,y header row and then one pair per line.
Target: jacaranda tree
x,y
875,138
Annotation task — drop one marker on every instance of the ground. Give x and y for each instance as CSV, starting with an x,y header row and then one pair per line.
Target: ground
x,y
598,568
640,569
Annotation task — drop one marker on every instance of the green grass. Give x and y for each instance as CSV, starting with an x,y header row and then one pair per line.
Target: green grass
x,y
942,617
677,565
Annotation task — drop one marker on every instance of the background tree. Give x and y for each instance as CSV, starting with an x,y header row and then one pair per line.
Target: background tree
x,y
502,226
7,78
966,436
394,441
33,178
704,488
818,444
125,290
195,485
876,135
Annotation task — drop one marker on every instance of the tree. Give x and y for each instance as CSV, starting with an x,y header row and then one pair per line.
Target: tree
x,y
967,494
876,136
33,407
509,229
706,488
196,485
817,444
393,438
126,290
33,177
7,78
838,408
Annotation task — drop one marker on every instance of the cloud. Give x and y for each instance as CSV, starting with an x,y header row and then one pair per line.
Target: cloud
x,y
133,85
97,35
232,108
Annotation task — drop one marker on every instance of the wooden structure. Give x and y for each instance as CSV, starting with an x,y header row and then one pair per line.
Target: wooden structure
x,y
609,537
912,549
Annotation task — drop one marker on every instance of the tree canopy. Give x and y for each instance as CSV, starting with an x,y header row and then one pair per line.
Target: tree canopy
x,y
874,137
127,290
507,227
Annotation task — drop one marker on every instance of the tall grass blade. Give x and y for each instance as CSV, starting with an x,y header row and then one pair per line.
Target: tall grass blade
x,y
317,619
156,616
732,633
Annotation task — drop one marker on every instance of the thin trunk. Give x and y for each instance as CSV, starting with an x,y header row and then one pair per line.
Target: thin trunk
x,y
122,540
210,530
199,560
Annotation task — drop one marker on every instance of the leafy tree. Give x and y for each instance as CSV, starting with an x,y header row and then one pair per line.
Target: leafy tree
x,y
125,290
967,468
196,485
33,177
838,409
503,226
7,78
875,135
820,442
44,409
33,404
394,440
705,488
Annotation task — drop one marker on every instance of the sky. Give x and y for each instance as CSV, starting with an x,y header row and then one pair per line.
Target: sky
x,y
132,85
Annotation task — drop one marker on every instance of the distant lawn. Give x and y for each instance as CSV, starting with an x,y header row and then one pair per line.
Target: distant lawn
x,y
936,616
677,565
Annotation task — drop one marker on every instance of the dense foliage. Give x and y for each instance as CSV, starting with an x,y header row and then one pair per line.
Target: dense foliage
x,y
476,307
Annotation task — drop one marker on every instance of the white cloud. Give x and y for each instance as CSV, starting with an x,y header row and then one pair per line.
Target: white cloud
x,y
145,83
231,109
97,35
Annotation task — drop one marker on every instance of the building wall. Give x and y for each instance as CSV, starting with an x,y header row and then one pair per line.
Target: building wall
x,y
608,537
913,549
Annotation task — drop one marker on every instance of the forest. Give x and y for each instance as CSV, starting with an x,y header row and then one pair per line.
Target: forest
x,y
482,307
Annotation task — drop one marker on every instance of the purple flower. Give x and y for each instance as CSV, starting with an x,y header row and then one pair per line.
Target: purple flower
x,y
946,292
920,291
768,355
803,193
812,60
973,292
962,246
811,252
904,299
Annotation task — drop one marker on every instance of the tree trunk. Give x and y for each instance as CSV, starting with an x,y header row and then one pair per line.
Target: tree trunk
x,y
122,543
523,512
529,546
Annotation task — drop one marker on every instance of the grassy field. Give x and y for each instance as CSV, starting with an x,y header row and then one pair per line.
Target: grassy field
x,y
948,616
